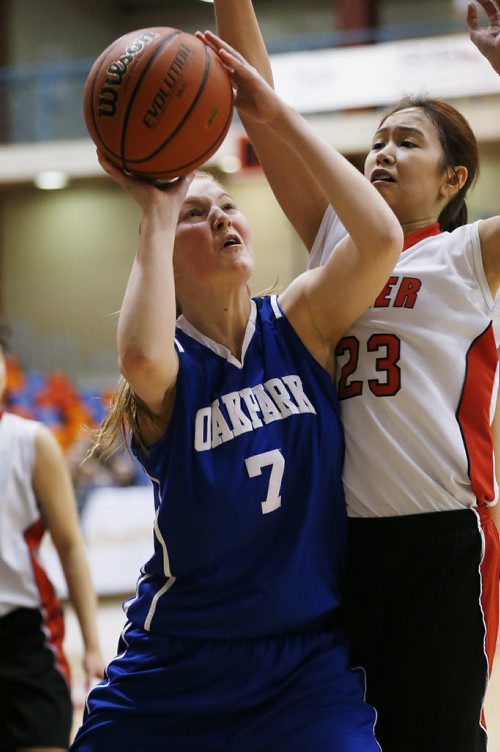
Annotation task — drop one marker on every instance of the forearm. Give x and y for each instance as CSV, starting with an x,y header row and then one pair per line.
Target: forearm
x,y
237,24
345,188
81,592
147,315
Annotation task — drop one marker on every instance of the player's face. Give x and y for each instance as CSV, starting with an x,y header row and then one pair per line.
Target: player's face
x,y
405,164
212,235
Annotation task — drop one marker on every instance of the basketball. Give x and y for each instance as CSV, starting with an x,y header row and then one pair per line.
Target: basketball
x,y
158,102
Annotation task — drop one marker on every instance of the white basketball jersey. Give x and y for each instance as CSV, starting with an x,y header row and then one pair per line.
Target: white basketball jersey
x,y
21,578
417,374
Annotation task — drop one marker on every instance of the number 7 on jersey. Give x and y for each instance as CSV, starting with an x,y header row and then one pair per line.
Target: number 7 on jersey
x,y
276,461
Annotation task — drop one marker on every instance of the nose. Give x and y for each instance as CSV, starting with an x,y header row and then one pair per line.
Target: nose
x,y
385,156
219,218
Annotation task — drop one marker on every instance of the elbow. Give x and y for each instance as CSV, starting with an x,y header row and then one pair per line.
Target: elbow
x,y
135,363
390,241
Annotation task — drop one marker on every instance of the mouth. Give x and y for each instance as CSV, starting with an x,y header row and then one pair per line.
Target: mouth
x,y
381,176
231,241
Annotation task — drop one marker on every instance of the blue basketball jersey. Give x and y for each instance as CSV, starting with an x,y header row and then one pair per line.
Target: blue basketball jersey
x,y
250,525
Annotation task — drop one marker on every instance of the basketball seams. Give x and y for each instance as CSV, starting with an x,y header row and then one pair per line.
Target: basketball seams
x,y
108,54
167,175
133,96
131,118
184,117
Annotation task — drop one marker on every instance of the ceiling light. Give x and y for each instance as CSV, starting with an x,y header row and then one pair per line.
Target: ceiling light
x,y
51,180
229,163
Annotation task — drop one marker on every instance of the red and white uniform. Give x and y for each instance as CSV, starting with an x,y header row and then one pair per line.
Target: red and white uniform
x,y
23,581
418,377
417,374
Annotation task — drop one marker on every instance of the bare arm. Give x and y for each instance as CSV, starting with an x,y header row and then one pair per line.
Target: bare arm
x,y
54,493
487,40
489,235
324,302
237,24
146,326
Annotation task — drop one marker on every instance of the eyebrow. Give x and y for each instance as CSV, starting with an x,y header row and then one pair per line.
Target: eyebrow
x,y
408,128
198,199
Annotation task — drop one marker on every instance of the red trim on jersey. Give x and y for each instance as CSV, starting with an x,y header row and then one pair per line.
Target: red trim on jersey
x,y
490,587
53,620
422,234
473,414
490,582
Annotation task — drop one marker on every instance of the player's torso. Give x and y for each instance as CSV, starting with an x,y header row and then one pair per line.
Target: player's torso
x,y
251,522
20,526
416,375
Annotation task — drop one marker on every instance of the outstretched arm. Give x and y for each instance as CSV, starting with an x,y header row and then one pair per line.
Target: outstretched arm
x,y
146,325
324,302
487,40
54,493
237,24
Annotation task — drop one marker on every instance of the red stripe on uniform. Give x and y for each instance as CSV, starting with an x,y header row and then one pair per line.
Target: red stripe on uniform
x,y
473,414
53,620
490,582
490,586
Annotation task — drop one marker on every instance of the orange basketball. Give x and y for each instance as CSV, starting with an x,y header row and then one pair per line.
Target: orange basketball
x,y
158,102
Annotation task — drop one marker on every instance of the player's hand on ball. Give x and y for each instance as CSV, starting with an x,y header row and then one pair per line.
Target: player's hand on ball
x,y
145,192
254,97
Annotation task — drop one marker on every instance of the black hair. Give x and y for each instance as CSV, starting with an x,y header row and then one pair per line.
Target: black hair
x,y
459,146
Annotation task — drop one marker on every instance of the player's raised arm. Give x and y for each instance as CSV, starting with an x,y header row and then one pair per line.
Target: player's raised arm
x,y
146,325
487,40
237,24
341,290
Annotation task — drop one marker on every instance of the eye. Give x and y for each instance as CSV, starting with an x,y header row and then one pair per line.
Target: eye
x,y
408,144
191,213
229,206
377,145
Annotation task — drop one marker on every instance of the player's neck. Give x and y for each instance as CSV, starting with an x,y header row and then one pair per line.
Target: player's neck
x,y
223,319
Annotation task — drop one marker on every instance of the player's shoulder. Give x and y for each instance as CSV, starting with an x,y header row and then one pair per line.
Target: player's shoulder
x,y
19,425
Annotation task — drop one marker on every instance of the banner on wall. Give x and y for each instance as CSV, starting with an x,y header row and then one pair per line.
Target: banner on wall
x,y
376,75
117,525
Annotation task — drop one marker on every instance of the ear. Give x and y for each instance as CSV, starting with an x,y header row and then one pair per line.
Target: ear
x,y
453,180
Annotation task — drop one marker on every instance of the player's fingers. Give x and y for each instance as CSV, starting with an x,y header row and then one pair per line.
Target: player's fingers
x,y
220,44
491,10
106,165
472,19
215,47
202,37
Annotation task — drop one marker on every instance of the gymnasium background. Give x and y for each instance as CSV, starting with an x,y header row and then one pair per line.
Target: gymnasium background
x,y
65,253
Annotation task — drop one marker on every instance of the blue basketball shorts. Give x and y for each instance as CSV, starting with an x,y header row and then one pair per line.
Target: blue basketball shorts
x,y
293,694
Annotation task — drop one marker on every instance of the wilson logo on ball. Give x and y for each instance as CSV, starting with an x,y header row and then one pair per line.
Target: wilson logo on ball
x,y
115,74
158,102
